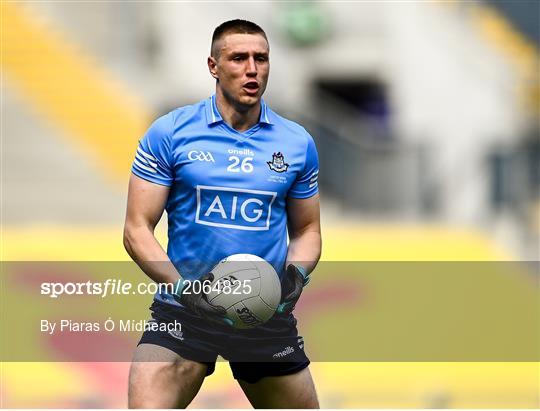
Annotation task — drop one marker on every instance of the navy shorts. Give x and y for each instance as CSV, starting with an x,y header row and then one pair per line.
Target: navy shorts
x,y
271,349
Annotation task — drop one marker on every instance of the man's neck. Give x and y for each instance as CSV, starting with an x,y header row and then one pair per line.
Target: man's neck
x,y
239,118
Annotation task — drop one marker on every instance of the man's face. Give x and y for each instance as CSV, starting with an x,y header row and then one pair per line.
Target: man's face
x,y
242,67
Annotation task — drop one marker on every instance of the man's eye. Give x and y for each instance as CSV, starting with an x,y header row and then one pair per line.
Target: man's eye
x,y
237,58
263,59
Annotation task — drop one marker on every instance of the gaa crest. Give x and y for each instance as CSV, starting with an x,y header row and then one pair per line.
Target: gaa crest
x,y
278,163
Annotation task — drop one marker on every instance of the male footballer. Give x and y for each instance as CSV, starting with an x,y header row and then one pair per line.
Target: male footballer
x,y
234,177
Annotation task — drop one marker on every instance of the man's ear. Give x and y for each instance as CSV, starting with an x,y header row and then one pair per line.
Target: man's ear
x,y
212,67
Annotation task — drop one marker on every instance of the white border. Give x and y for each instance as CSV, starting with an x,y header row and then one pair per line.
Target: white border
x,y
236,190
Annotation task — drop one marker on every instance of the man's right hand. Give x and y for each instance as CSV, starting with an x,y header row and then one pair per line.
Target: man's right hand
x,y
198,302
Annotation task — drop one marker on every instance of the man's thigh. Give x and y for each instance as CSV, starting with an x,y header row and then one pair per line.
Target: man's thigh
x,y
160,378
286,391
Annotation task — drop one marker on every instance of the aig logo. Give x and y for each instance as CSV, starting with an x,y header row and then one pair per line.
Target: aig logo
x,y
234,208
201,156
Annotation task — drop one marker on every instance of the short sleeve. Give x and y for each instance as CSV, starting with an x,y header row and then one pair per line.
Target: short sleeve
x,y
153,157
306,184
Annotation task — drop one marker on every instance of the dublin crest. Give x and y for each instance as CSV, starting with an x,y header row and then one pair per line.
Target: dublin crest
x,y
278,163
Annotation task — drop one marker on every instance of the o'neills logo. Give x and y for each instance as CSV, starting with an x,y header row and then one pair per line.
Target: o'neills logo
x,y
244,152
288,350
247,317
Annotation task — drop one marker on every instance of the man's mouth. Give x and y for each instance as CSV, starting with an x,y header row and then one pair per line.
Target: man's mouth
x,y
252,87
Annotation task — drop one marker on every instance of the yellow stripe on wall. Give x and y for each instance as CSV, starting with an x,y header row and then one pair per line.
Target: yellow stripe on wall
x,y
356,242
519,51
66,87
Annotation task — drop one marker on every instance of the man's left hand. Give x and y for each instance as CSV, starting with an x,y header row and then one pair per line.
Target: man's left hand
x,y
292,285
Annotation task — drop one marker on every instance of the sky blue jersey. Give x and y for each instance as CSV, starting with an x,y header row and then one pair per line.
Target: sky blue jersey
x,y
228,189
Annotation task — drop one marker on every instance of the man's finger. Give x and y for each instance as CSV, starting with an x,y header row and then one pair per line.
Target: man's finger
x,y
284,307
296,290
294,294
207,277
212,309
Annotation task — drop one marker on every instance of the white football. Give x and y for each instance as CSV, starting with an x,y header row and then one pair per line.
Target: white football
x,y
248,287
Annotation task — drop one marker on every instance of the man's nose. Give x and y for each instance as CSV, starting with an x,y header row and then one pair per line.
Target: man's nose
x,y
251,67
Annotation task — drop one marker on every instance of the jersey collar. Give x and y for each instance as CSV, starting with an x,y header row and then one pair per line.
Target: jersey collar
x,y
213,116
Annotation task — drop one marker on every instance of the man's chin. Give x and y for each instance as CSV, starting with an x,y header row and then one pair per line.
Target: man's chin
x,y
247,102
243,101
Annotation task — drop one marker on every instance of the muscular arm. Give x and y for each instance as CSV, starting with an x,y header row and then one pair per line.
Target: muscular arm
x,y
145,205
304,232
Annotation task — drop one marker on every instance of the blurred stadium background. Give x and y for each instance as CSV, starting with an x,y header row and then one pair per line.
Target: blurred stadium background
x,y
426,116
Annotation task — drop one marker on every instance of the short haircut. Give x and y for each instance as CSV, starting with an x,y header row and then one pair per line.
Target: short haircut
x,y
236,26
